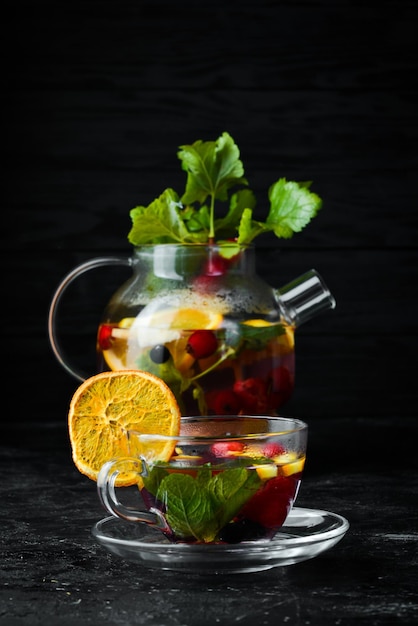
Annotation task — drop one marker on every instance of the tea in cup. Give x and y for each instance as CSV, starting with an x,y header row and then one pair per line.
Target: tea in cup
x,y
223,479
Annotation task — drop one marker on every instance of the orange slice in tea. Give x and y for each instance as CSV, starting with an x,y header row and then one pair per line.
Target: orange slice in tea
x,y
106,406
154,316
115,356
287,340
169,326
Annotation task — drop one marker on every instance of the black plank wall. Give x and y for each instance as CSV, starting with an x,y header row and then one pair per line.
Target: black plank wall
x,y
98,97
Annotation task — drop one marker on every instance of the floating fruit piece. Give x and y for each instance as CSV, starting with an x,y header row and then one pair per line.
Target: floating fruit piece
x,y
104,336
159,354
202,343
267,471
112,339
216,265
294,467
158,325
227,448
252,394
257,323
186,318
273,449
223,402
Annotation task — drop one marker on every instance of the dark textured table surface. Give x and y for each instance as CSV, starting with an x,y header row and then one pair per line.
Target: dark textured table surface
x,y
54,572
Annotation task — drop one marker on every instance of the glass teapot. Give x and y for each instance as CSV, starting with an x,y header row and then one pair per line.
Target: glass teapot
x,y
199,317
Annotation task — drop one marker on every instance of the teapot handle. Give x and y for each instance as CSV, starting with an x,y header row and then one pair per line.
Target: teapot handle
x,y
66,281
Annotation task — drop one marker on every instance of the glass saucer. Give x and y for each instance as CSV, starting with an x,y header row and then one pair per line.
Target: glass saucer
x,y
305,534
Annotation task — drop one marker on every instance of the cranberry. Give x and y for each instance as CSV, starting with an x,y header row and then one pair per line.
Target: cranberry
x,y
227,448
105,336
271,504
216,266
224,402
202,343
252,394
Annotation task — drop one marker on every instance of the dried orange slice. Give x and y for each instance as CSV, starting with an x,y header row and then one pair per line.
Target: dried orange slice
x,y
106,406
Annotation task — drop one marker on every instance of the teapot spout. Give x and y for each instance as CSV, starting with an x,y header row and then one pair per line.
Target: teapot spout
x,y
304,298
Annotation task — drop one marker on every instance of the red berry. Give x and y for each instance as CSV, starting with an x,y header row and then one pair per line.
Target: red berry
x,y
105,336
227,448
224,402
252,394
273,449
216,266
205,284
202,343
271,504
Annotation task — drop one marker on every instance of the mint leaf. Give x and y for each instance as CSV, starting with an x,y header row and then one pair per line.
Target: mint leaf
x,y
227,226
153,479
212,168
292,206
160,222
232,488
190,507
199,507
256,337
197,220
249,229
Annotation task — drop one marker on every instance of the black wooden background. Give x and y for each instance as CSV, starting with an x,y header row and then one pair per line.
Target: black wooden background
x,y
99,95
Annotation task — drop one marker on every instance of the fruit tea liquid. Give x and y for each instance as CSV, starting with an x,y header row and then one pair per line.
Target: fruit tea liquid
x,y
245,367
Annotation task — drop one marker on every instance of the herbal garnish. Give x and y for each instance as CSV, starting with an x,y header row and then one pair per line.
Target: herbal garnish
x,y
200,507
214,175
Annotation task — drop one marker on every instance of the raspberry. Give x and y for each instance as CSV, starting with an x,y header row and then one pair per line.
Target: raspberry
x,y
227,448
273,449
252,394
224,402
202,343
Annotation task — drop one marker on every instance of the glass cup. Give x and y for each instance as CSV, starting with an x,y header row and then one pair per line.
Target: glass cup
x,y
223,479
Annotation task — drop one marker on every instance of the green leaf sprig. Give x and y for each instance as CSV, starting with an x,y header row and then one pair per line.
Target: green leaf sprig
x,y
215,174
200,507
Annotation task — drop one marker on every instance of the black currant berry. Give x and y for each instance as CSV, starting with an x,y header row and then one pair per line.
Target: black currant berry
x,y
159,354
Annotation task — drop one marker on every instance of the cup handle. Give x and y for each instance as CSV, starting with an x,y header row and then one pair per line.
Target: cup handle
x,y
106,489
53,309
